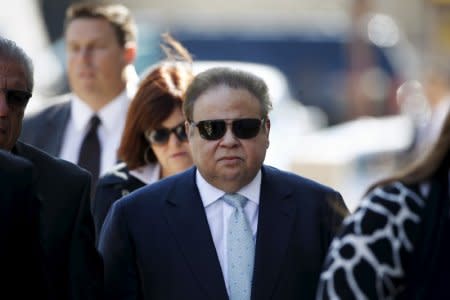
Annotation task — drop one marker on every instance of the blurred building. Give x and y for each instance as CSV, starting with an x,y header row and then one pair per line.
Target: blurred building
x,y
437,30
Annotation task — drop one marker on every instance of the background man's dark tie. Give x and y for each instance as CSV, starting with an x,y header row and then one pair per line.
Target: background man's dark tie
x,y
90,150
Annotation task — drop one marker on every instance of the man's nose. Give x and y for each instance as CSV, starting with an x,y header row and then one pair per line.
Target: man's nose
x,y
229,138
84,54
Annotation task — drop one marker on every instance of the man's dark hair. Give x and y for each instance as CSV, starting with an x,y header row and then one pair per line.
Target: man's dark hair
x,y
236,79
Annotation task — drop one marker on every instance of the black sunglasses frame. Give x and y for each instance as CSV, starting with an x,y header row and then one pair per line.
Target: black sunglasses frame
x,y
16,98
161,136
213,130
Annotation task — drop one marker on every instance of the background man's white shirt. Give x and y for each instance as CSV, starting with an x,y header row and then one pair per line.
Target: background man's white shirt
x,y
112,118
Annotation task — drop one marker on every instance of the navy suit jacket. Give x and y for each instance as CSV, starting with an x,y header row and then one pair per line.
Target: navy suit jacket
x,y
21,257
110,188
45,129
66,230
156,242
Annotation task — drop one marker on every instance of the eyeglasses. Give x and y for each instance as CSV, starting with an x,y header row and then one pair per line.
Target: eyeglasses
x,y
161,136
212,130
16,98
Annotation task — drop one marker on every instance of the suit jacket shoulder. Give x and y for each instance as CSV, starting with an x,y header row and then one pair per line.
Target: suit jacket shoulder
x,y
119,176
161,189
46,163
12,164
45,129
112,186
296,181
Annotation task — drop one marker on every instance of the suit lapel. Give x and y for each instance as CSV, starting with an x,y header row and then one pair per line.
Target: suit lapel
x,y
276,217
187,219
55,123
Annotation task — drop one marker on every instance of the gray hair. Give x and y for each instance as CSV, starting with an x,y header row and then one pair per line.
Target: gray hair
x,y
236,79
9,50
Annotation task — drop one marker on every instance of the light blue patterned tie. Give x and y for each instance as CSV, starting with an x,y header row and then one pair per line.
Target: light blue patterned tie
x,y
240,250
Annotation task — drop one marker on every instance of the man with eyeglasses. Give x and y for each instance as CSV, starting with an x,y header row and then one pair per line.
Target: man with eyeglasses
x,y
71,265
230,227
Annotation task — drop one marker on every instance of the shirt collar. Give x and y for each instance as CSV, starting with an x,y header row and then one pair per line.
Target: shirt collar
x,y
210,193
148,173
81,113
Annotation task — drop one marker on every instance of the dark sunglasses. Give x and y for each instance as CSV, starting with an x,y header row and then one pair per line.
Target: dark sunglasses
x,y
16,98
161,136
212,130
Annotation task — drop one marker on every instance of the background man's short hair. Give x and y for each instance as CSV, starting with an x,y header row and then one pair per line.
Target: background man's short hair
x,y
117,15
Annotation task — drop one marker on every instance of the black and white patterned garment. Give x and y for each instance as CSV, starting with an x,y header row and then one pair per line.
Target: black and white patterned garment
x,y
370,257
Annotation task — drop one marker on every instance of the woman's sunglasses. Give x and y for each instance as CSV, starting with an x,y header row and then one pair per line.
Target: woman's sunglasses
x,y
161,136
212,130
16,98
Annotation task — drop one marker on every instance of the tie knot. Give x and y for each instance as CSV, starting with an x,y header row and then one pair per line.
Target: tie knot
x,y
235,200
94,122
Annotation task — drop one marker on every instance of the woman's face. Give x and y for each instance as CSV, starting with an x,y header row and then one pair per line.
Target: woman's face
x,y
174,155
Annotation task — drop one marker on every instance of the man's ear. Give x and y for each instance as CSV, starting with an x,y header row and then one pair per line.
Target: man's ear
x,y
187,127
267,125
130,52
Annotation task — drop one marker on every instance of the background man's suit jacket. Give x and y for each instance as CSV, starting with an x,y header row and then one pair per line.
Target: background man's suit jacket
x,y
45,129
160,234
20,254
72,264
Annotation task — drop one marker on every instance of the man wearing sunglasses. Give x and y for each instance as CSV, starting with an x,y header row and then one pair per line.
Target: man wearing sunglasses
x,y
230,227
71,265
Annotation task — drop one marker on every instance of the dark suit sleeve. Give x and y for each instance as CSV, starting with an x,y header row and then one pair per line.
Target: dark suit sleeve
x,y
115,246
334,213
85,262
20,252
39,282
105,195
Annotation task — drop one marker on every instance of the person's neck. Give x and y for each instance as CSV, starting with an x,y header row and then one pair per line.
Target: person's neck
x,y
97,102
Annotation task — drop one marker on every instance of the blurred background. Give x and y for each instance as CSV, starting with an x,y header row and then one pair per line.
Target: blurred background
x,y
349,79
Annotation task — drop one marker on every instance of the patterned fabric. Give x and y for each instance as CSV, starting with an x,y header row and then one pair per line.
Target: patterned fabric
x,y
240,249
370,258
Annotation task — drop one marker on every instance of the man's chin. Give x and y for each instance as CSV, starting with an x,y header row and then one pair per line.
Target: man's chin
x,y
232,175
5,146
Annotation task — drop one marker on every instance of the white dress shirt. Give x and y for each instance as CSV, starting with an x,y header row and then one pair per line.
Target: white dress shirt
x,y
218,212
110,130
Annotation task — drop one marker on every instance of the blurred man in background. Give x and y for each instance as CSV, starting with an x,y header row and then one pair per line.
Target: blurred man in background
x,y
86,127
